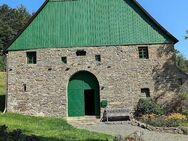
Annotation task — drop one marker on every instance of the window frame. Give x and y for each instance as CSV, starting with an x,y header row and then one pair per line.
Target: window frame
x,y
143,52
180,81
98,57
145,91
24,87
81,53
31,57
64,59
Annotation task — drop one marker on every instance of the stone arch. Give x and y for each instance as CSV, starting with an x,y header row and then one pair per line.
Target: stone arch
x,y
83,94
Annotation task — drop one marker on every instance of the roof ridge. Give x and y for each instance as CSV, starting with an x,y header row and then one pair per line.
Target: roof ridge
x,y
155,21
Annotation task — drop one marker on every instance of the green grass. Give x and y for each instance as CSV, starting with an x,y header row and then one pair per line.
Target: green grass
x,y
49,129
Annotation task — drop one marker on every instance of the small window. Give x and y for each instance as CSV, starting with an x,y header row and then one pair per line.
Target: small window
x,y
145,92
64,60
98,58
31,57
24,87
180,81
81,53
143,52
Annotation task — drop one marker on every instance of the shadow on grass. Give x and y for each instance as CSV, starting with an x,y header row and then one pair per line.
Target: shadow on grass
x,y
71,138
67,139
19,135
2,103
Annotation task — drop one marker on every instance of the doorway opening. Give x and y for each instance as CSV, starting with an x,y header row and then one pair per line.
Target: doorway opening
x,y
83,95
89,96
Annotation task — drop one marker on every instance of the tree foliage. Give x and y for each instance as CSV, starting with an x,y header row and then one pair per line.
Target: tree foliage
x,y
12,21
148,106
181,62
186,36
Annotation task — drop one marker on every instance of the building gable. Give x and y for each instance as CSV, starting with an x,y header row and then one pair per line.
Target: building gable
x,y
82,23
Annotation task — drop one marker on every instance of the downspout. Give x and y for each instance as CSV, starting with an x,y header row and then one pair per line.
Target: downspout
x,y
6,93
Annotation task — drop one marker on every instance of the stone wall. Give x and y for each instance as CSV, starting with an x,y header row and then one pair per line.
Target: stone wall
x,y
121,75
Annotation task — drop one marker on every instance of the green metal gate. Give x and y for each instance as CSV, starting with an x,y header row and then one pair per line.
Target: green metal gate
x,y
78,83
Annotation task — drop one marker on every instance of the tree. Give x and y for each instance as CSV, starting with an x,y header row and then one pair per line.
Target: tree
x,y
12,21
181,62
186,36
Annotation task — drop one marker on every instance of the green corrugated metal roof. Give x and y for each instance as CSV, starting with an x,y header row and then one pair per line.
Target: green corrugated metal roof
x,y
76,23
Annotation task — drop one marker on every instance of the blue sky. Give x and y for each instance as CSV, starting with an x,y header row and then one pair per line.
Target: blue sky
x,y
171,14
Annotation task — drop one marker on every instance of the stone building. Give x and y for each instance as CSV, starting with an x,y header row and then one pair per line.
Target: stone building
x,y
74,54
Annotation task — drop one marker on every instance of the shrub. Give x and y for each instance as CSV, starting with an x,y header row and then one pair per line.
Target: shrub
x,y
185,113
149,116
161,122
148,106
183,96
176,116
172,120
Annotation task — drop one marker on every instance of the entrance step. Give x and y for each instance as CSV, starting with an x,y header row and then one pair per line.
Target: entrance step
x,y
86,120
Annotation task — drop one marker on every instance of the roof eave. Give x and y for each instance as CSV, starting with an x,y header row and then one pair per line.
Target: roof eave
x,y
29,22
174,39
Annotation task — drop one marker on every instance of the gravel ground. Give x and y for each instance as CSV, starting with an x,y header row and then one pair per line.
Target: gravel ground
x,y
126,129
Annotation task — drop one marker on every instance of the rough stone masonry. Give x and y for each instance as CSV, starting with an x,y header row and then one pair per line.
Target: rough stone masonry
x,y
121,75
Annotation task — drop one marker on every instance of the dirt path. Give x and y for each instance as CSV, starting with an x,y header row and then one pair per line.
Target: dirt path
x,y
126,129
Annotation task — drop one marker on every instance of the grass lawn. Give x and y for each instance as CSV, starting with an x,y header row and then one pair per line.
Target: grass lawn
x,y
2,90
49,129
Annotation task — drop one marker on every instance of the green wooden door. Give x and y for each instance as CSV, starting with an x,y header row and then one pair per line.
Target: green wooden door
x,y
78,83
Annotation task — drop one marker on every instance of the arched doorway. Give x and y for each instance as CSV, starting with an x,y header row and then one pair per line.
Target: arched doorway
x,y
83,95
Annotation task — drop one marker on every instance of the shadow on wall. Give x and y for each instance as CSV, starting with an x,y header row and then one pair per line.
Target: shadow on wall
x,y
2,103
184,87
169,79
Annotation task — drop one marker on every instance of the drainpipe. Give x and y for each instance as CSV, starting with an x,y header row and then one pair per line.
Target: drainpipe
x,y
6,93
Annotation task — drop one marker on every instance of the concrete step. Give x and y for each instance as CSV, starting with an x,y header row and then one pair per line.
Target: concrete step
x,y
86,120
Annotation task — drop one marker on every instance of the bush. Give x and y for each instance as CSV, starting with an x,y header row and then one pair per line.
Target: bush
x,y
185,113
184,103
172,120
148,106
183,96
161,122
176,116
